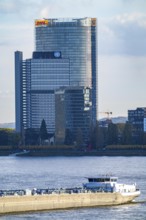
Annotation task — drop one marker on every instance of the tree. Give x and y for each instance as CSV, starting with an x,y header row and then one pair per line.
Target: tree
x,y
98,136
3,137
93,136
102,137
8,137
120,127
68,137
144,138
112,134
31,136
43,131
127,134
79,138
14,139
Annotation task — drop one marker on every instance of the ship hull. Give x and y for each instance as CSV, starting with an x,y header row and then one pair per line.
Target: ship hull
x,y
14,204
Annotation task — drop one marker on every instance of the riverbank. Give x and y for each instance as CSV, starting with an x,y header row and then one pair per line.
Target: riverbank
x,y
45,151
69,153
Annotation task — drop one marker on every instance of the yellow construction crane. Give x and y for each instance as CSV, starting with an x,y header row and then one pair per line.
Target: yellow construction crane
x,y
107,113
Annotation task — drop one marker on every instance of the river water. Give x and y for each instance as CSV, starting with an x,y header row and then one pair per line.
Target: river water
x,y
44,172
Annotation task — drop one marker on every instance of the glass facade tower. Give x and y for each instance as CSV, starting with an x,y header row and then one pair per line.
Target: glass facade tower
x,y
76,39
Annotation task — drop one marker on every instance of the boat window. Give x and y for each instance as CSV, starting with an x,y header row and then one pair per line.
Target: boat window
x,y
90,180
113,180
100,180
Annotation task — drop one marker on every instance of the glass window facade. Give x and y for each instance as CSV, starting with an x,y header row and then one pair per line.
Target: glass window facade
x,y
136,118
76,39
73,112
49,74
39,78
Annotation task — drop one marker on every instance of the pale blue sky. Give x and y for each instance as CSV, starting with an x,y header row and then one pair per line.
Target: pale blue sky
x,y
121,47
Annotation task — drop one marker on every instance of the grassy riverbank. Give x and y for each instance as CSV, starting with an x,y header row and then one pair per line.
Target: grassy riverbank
x,y
43,151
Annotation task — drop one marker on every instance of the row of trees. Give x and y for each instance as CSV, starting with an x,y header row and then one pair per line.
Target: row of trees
x,y
114,134
98,136
36,136
8,137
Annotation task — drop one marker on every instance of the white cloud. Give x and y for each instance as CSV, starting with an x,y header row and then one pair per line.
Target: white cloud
x,y
44,13
122,82
123,34
14,6
7,7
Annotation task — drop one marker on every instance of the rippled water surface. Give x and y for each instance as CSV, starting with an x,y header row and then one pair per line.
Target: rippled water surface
x,y
22,173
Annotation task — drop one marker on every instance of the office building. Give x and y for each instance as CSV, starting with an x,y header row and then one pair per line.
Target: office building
x,y
73,114
137,119
36,81
76,39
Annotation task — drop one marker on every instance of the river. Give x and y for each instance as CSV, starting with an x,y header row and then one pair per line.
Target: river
x,y
44,172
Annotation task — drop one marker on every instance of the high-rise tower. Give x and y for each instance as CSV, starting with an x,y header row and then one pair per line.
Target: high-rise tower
x,y
76,39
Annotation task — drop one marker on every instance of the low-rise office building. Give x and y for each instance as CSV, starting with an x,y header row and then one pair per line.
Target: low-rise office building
x,y
137,118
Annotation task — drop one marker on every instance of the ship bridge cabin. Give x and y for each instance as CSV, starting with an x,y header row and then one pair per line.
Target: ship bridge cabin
x,y
101,182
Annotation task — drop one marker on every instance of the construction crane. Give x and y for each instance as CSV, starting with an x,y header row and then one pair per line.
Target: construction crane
x,y
107,113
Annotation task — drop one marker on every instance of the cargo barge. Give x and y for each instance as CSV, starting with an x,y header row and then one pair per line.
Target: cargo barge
x,y
98,191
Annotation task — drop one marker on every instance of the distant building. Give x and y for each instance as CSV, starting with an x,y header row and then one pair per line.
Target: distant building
x,y
137,118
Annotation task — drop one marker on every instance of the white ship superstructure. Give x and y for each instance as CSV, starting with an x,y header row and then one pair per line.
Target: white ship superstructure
x,y
109,184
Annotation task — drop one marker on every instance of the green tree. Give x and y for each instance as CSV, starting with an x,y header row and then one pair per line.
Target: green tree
x,y
98,136
68,137
93,136
43,131
14,139
112,134
120,127
79,138
144,138
102,137
127,134
5,134
3,137
31,136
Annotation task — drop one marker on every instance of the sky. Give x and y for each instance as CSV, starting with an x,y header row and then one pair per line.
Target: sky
x,y
121,48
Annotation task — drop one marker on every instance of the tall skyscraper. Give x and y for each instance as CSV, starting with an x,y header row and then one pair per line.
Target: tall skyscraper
x,y
64,58
76,39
